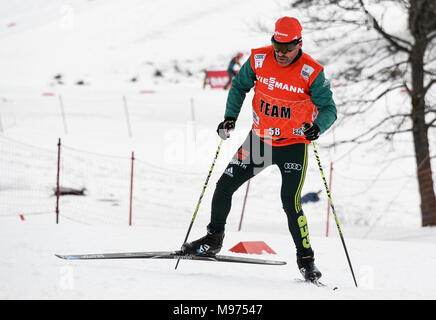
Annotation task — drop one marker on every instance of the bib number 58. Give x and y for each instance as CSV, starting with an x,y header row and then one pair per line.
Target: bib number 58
x,y
274,131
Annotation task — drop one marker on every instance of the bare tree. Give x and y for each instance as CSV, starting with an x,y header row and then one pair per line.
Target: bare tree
x,y
355,32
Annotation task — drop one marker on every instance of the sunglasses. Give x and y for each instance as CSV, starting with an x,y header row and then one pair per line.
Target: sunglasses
x,y
285,47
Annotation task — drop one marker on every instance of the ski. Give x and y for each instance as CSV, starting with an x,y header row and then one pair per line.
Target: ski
x,y
169,255
316,283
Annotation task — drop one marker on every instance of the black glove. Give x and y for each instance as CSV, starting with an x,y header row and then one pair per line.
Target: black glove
x,y
311,131
225,127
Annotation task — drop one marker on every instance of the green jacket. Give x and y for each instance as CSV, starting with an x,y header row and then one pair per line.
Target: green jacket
x,y
320,95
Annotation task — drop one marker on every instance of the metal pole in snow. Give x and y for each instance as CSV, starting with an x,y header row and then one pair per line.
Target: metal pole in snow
x,y
330,185
193,118
1,126
131,189
328,201
58,191
61,104
126,111
243,206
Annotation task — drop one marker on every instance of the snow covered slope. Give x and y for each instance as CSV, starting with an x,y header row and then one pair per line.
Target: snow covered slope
x,y
106,43
29,269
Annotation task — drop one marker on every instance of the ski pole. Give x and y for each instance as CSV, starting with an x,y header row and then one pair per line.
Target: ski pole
x,y
201,196
333,210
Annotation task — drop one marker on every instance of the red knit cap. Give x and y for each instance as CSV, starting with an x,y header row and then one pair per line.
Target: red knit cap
x,y
287,29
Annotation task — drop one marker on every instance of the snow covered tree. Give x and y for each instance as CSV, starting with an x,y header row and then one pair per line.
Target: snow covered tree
x,y
385,47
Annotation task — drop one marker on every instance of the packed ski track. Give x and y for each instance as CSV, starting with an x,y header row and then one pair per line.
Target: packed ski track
x,y
172,133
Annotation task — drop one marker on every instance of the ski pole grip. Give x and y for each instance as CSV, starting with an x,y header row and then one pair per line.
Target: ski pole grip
x,y
307,125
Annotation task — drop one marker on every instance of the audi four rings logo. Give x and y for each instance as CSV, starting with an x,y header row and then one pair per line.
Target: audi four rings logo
x,y
293,166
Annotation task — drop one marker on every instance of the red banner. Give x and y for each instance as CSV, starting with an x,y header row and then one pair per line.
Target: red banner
x,y
216,79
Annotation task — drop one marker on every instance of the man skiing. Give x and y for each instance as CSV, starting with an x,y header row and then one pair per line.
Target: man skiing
x,y
292,106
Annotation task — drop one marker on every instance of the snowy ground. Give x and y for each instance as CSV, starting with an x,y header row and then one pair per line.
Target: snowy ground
x,y
173,137
385,269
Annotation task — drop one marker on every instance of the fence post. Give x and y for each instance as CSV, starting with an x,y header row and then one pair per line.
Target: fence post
x,y
61,104
328,203
330,183
131,189
126,111
243,206
193,118
57,182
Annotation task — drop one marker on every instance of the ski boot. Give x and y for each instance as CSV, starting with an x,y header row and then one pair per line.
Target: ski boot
x,y
210,244
307,267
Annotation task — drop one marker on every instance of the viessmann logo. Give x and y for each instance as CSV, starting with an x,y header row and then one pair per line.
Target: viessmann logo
x,y
273,84
280,34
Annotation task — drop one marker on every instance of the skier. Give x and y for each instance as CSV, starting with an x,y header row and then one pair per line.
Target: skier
x,y
292,106
231,68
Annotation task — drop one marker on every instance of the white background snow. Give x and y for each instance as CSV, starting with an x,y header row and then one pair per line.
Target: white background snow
x,y
107,43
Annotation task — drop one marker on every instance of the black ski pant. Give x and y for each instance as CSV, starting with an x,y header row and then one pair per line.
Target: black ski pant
x,y
251,158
